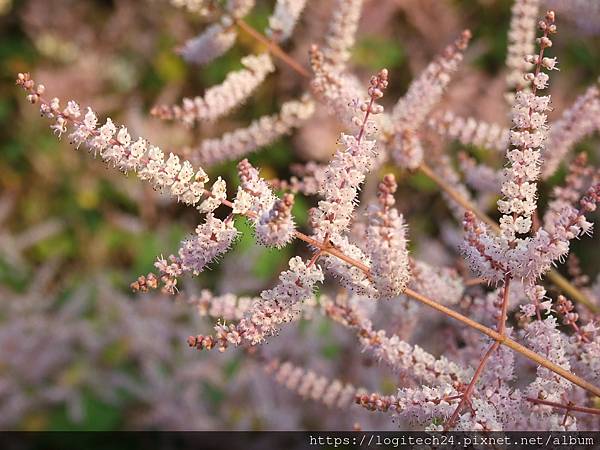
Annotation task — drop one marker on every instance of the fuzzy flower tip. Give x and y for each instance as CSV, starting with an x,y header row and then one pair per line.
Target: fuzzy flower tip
x,y
278,305
423,94
284,18
527,140
210,44
346,171
333,393
521,38
210,240
340,36
386,242
223,98
296,284
261,132
344,175
116,146
275,227
271,216
254,195
545,338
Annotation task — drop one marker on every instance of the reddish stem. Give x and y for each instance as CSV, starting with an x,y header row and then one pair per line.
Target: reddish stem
x,y
273,48
466,396
568,407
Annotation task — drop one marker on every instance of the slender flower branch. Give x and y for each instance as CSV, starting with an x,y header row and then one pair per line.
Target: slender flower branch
x,y
505,340
498,337
465,399
330,243
553,275
273,47
501,326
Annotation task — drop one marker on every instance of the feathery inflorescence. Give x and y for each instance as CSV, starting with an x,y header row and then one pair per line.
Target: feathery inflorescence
x,y
449,377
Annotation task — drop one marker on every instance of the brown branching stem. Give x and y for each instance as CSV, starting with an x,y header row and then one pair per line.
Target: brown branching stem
x,y
466,397
504,340
496,336
433,304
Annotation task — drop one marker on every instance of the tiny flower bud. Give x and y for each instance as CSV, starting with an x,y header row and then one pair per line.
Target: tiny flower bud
x,y
226,21
544,42
549,63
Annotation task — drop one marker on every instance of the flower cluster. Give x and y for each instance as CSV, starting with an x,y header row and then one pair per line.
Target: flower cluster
x,y
284,18
275,227
336,89
342,29
527,138
443,284
279,305
116,147
217,38
210,44
469,131
527,258
386,243
211,239
423,94
227,306
546,339
576,122
347,169
272,217
521,37
310,385
221,99
296,284
261,132
456,381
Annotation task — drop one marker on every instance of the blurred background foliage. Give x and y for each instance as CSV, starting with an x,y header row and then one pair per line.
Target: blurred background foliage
x,y
59,206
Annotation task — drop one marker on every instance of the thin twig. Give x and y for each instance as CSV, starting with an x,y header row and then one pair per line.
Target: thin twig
x,y
465,399
504,308
474,281
501,326
569,407
273,48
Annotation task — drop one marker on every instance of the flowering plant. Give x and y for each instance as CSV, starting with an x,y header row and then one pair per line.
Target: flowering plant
x,y
361,242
